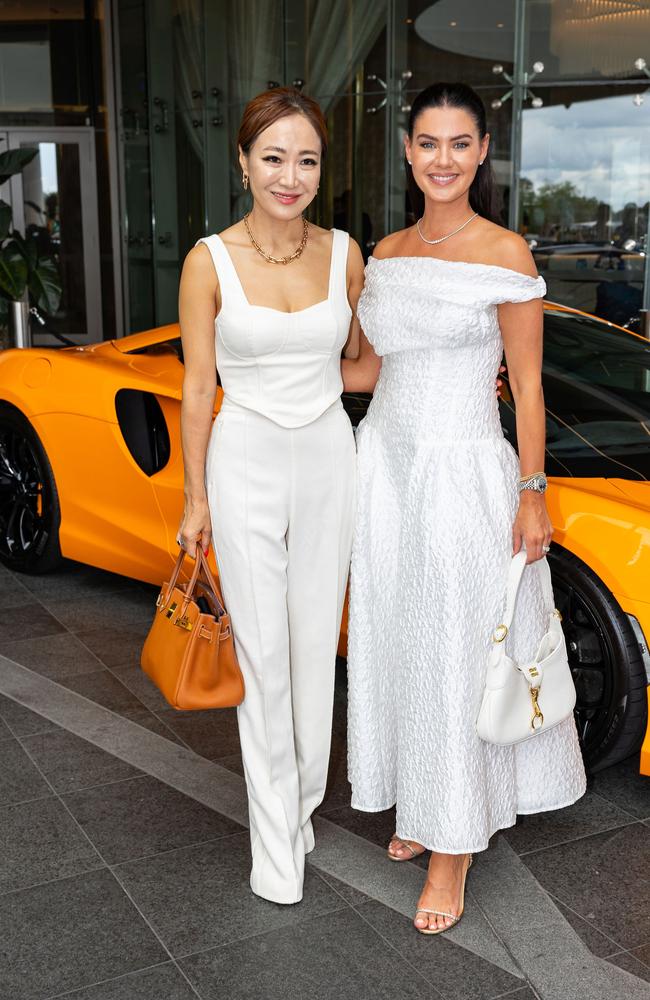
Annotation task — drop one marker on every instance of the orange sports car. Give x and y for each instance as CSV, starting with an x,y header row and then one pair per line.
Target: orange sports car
x,y
91,470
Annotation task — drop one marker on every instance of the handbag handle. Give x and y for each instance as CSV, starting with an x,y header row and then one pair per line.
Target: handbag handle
x,y
515,573
200,564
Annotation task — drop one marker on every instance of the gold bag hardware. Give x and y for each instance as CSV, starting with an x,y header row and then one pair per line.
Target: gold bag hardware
x,y
189,654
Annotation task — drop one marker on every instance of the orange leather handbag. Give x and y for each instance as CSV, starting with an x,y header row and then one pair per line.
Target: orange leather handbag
x,y
189,653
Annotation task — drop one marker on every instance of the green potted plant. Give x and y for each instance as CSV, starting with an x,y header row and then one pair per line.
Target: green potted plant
x,y
23,266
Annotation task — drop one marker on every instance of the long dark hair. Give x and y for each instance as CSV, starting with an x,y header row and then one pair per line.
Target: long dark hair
x,y
484,196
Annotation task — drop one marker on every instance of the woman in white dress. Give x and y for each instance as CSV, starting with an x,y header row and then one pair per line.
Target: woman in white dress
x,y
443,503
269,303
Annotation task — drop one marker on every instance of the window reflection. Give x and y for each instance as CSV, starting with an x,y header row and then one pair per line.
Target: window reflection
x,y
585,174
587,38
597,394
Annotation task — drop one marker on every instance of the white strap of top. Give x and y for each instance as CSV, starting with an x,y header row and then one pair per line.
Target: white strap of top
x,y
339,264
515,574
229,283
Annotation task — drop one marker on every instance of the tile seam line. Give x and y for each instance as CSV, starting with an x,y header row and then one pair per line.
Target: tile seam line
x,y
391,946
41,683
235,787
556,899
406,961
122,888
499,938
77,694
600,967
576,840
116,864
103,665
112,671
102,982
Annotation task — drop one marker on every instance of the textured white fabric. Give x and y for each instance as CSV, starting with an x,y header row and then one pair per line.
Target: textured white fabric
x,y
437,496
286,366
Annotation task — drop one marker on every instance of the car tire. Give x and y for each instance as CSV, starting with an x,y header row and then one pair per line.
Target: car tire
x,y
30,514
606,662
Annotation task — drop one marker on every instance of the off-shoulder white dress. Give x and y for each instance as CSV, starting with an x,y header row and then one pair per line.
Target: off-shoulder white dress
x,y
437,497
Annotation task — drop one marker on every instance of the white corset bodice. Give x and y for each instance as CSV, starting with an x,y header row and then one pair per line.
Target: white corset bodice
x,y
286,366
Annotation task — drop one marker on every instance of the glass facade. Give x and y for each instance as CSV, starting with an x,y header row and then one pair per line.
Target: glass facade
x,y
159,87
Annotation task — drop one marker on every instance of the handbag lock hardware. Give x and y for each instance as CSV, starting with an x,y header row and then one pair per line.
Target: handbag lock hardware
x,y
537,719
184,622
500,633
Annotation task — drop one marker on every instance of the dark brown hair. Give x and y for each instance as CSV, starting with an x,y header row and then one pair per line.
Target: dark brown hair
x,y
484,195
270,106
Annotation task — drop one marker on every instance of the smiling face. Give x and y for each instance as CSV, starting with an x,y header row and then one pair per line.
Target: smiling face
x,y
445,150
283,165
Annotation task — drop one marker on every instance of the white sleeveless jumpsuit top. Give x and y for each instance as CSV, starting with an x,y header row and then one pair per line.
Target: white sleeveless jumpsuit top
x,y
285,366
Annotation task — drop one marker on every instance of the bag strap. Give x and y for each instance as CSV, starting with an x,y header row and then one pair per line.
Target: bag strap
x,y
212,583
200,567
515,573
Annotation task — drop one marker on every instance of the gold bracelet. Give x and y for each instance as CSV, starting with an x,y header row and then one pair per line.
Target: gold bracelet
x,y
524,479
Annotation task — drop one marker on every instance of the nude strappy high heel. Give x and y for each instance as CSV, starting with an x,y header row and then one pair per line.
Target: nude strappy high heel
x,y
455,917
403,843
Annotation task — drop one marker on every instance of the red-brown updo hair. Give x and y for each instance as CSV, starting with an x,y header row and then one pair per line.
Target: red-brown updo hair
x,y
270,106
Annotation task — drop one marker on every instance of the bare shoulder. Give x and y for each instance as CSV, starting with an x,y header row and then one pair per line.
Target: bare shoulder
x,y
198,264
355,257
391,245
510,250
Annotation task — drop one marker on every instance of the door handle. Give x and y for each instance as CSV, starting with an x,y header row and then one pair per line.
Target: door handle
x,y
163,124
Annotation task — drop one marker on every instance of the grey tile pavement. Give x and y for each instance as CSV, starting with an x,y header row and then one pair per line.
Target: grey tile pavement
x,y
197,897
120,790
64,934
39,842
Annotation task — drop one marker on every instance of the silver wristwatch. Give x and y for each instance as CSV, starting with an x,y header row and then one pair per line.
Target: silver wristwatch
x,y
537,483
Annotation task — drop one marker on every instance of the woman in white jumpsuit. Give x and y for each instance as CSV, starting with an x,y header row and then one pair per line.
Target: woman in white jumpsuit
x,y
274,479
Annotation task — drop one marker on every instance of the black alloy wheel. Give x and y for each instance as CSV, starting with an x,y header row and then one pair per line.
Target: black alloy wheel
x,y
29,503
605,660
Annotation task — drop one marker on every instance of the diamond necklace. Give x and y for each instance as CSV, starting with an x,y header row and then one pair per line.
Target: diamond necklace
x,y
279,260
442,238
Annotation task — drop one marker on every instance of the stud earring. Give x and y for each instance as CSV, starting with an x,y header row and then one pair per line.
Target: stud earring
x,y
244,180
409,163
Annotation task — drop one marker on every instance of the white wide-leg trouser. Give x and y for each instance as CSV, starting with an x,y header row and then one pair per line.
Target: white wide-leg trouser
x,y
281,505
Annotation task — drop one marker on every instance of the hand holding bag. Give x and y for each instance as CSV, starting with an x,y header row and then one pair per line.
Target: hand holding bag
x,y
189,652
522,700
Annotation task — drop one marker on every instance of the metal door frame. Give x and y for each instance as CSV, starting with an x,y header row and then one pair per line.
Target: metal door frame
x,y
84,138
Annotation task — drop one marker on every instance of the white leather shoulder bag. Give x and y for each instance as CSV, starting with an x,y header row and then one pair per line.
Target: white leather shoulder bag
x,y
522,700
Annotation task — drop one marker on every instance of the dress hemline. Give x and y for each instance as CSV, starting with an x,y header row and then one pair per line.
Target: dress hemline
x,y
497,829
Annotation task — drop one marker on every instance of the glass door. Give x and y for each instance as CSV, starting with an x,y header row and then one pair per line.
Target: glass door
x,y
454,40
55,199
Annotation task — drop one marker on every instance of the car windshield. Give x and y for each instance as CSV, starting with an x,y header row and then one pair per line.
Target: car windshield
x,y
597,393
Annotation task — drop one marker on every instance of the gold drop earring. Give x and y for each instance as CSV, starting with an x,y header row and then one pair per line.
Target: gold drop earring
x,y
244,180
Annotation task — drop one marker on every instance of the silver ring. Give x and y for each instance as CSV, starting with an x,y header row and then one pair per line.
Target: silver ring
x,y
546,548
179,541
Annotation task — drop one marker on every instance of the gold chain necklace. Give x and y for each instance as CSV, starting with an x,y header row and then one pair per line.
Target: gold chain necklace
x,y
279,260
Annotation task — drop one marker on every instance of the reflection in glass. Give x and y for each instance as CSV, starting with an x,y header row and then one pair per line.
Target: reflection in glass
x,y
460,40
597,393
457,40
587,38
585,176
52,205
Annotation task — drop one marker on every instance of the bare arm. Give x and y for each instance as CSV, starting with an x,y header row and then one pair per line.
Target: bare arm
x,y
522,331
360,367
197,306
